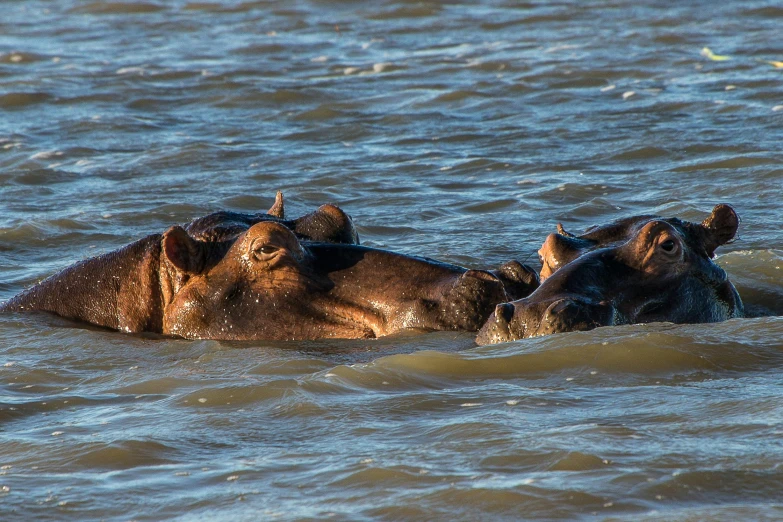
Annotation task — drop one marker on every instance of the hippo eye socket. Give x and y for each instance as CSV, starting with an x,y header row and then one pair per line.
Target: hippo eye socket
x,y
263,251
668,246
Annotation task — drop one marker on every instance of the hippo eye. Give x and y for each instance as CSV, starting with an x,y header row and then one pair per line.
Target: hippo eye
x,y
267,249
668,246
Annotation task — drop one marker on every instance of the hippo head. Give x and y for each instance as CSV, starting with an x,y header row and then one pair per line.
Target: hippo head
x,y
258,286
639,270
563,247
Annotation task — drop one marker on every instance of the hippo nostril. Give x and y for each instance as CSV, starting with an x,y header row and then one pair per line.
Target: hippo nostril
x,y
481,275
529,276
504,312
517,272
560,306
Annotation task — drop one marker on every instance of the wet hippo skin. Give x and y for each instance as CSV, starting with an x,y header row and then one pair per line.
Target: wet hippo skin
x,y
265,283
121,289
269,285
638,270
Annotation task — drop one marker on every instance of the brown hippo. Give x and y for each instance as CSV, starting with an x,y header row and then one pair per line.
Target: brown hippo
x,y
269,285
121,289
264,283
638,270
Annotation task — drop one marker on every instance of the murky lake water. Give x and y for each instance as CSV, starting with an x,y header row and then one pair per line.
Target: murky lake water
x,y
458,131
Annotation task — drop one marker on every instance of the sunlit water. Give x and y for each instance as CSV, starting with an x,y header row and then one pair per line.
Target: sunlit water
x,y
461,132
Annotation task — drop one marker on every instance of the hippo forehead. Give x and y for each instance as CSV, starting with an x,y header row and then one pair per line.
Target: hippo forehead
x,y
562,248
328,223
620,232
225,226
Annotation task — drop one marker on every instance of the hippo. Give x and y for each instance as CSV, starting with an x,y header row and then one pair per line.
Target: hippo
x,y
116,290
267,283
637,270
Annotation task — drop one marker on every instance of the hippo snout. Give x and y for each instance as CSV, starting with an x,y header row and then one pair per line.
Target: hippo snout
x,y
523,318
504,313
497,329
569,315
469,300
519,280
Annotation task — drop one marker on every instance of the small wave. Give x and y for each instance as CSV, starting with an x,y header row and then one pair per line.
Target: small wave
x,y
765,13
16,100
22,57
421,11
159,386
321,113
52,402
758,276
120,455
137,71
717,486
641,153
36,231
631,352
48,154
490,206
234,396
372,476
497,499
117,8
739,162
530,461
457,96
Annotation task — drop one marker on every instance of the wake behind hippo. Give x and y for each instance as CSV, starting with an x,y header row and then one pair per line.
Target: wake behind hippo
x,y
265,283
637,270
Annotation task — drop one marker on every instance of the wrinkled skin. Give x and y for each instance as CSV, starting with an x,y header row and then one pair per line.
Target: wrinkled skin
x,y
264,283
639,270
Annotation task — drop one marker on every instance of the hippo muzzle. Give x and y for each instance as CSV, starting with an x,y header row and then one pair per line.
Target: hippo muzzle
x,y
523,319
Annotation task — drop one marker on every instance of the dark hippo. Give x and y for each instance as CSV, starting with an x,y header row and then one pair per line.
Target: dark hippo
x,y
638,270
563,247
264,283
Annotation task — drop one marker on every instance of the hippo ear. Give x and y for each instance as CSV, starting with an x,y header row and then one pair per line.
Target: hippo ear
x,y
182,251
327,223
562,231
278,209
720,227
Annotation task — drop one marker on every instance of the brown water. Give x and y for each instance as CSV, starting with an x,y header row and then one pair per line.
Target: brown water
x,y
458,131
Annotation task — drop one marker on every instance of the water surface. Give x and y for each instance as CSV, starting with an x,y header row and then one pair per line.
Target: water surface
x,y
460,131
